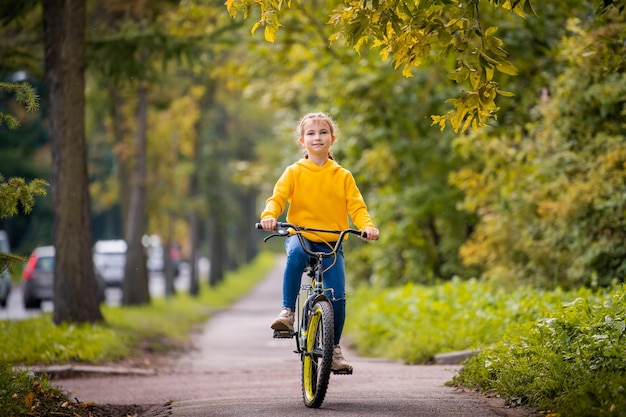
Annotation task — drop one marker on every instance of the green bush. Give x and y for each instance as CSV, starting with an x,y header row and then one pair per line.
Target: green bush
x,y
572,363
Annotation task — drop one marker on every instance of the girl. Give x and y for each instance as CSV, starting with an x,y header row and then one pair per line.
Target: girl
x,y
321,194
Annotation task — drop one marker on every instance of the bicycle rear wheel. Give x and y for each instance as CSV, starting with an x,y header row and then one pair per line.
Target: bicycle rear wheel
x,y
317,355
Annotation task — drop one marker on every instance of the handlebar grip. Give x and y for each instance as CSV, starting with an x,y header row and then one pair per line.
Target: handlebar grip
x,y
364,235
258,226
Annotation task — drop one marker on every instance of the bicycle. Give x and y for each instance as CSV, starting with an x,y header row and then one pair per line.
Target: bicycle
x,y
314,333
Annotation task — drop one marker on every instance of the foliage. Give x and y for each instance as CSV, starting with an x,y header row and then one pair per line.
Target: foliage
x,y
15,193
550,194
412,32
402,167
571,362
24,94
133,43
163,325
414,323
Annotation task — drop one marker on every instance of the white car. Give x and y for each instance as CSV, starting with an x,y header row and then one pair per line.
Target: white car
x,y
109,257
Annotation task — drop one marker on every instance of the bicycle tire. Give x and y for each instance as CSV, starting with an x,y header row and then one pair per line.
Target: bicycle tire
x,y
317,355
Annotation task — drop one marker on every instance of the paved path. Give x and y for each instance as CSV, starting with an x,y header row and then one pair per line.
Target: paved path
x,y
238,369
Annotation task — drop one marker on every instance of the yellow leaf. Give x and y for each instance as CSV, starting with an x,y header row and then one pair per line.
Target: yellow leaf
x,y
505,93
439,120
270,34
491,30
489,73
406,71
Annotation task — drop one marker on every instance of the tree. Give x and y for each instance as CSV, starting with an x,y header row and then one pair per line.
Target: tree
x,y
133,47
551,195
75,297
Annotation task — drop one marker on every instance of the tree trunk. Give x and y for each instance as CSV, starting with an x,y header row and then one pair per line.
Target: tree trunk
x,y
120,135
194,285
250,235
217,239
135,289
168,266
75,292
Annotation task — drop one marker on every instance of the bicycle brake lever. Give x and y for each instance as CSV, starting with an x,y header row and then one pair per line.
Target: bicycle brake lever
x,y
278,233
268,237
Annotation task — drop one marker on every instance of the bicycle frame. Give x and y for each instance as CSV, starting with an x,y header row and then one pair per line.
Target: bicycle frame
x,y
316,257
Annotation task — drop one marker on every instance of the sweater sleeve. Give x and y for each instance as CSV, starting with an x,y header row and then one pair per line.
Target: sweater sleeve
x,y
356,205
283,190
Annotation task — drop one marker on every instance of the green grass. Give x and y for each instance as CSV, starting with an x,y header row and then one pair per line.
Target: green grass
x,y
413,323
163,325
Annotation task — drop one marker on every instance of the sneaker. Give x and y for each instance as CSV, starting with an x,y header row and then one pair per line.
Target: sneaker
x,y
285,320
339,362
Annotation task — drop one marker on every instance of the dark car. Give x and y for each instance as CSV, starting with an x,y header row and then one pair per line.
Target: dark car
x,y
38,278
5,276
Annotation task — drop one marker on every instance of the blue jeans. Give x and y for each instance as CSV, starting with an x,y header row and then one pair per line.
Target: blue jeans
x,y
334,278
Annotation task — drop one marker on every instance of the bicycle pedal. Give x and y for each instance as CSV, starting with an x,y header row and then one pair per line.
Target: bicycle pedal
x,y
343,371
284,334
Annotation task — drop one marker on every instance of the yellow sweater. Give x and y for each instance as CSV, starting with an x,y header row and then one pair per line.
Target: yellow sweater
x,y
318,197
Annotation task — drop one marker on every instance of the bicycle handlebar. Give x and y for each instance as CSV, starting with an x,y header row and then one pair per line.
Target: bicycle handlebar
x,y
281,230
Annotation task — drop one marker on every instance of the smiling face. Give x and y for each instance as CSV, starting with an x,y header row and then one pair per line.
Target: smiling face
x,y
317,137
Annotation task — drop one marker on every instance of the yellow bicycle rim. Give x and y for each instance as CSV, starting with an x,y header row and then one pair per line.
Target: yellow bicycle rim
x,y
309,379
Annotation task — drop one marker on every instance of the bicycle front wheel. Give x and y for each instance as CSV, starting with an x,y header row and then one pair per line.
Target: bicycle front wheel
x,y
317,355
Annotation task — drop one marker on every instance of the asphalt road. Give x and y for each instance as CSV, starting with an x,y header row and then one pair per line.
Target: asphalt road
x,y
237,369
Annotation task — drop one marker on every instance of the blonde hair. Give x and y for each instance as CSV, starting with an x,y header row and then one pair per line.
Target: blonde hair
x,y
334,129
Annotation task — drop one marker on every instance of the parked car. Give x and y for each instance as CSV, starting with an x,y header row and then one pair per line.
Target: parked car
x,y
109,257
38,278
5,276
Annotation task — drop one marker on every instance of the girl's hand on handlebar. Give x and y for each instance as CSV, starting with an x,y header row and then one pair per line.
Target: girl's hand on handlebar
x,y
372,234
269,224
